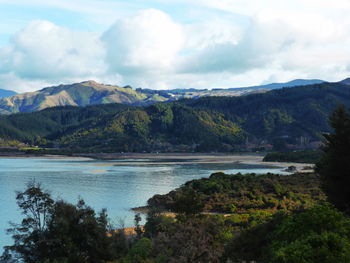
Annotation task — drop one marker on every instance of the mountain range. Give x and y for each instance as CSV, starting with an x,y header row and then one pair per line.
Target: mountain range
x,y
91,93
7,93
289,116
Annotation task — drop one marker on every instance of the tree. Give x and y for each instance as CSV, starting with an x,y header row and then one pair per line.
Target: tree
x,y
30,242
77,234
140,252
57,232
188,202
334,166
194,240
317,235
138,228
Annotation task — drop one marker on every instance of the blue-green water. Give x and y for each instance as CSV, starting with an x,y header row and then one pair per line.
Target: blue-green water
x,y
115,185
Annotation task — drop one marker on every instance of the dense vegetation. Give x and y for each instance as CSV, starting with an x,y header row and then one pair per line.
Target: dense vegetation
x,y
334,167
290,117
294,112
159,127
310,156
56,231
41,127
317,235
114,127
245,194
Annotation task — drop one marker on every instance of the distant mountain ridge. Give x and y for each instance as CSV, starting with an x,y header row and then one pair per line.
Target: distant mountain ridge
x,y
7,93
91,93
345,81
78,94
293,83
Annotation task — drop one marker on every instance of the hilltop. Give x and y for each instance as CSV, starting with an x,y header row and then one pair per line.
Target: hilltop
x,y
78,94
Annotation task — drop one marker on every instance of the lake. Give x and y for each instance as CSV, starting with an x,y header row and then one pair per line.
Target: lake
x,y
115,185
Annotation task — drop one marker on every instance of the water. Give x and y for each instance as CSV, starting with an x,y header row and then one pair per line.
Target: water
x,y
115,185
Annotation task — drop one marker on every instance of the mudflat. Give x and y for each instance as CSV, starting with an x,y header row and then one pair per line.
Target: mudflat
x,y
169,158
194,158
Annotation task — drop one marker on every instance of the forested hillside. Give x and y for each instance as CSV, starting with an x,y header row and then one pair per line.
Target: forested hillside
x,y
158,127
293,112
295,116
50,123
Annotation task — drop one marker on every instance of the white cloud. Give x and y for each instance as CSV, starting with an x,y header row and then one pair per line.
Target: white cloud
x,y
278,40
44,50
147,42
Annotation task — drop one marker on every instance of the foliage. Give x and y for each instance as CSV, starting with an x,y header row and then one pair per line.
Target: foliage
x,y
307,156
51,123
193,240
334,166
320,234
290,112
157,127
56,231
140,252
29,236
188,202
247,199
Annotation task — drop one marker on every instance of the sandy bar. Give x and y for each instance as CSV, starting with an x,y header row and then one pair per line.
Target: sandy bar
x,y
193,158
139,159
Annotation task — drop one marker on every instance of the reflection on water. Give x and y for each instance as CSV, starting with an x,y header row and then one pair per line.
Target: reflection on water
x,y
102,184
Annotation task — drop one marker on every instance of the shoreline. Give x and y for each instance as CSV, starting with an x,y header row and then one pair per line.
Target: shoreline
x,y
168,159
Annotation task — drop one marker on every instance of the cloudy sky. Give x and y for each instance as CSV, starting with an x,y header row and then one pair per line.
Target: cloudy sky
x,y
165,44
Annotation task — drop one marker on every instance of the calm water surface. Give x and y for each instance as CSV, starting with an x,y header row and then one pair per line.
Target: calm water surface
x,y
102,184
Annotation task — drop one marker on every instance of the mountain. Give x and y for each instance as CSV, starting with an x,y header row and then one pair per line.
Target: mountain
x,y
289,112
293,83
91,92
7,93
345,81
78,94
234,92
293,116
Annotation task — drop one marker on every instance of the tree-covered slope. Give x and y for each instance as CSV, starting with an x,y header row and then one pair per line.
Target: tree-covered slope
x,y
53,122
293,112
158,127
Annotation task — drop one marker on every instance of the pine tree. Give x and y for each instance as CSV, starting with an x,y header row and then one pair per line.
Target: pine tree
x,y
334,167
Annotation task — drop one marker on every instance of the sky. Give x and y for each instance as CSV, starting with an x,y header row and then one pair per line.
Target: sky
x,y
168,44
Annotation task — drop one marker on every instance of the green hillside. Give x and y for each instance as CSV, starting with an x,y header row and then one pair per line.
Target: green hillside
x,y
158,127
280,117
294,112
53,122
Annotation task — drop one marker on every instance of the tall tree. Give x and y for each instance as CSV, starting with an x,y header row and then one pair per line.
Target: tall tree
x,y
30,242
57,231
334,166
